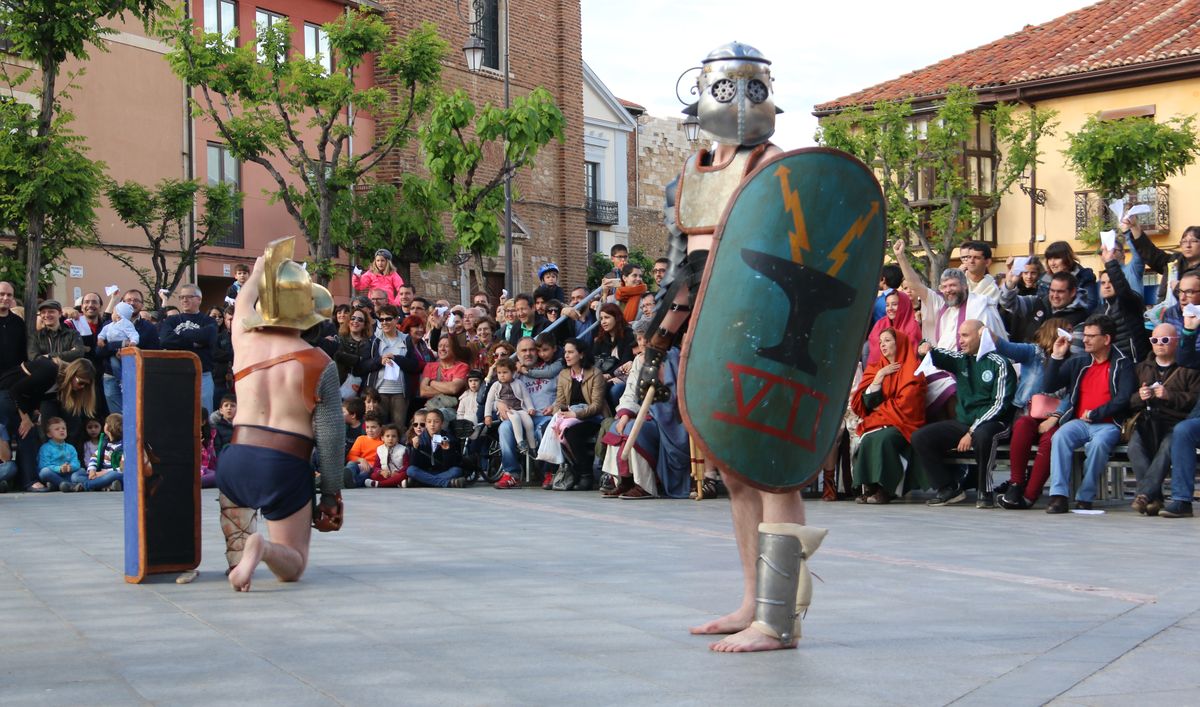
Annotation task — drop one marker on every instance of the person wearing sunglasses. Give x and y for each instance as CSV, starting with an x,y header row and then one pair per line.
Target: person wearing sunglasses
x,y
390,365
1166,392
354,339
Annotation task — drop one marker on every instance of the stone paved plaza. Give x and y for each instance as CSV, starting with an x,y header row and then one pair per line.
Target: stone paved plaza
x,y
482,597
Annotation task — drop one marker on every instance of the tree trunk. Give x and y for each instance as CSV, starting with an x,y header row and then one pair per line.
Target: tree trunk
x,y
35,217
325,240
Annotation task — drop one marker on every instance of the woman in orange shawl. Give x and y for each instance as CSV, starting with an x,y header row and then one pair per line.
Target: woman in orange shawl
x,y
629,293
890,400
898,317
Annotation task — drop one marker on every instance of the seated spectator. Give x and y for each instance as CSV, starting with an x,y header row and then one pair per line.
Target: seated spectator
x,y
208,454
629,294
1099,385
613,348
1029,311
359,464
526,321
222,424
391,461
94,441
538,366
28,384
1060,258
890,401
580,407
506,317
890,278
976,259
647,308
223,356
560,332
1123,304
8,467
1036,427
985,388
442,381
435,458
468,402
585,320
1185,261
1171,312
390,366
1166,392
352,414
947,308
661,460
57,460
485,330
548,282
381,276
509,399
372,403
898,316
104,471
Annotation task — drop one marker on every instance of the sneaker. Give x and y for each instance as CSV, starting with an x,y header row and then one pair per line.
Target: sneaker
x,y
522,447
68,487
405,484
1139,503
116,486
507,481
371,483
607,482
457,482
548,481
1176,509
1013,498
1058,504
947,496
1083,505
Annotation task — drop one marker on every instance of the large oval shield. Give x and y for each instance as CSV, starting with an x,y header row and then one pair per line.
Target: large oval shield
x,y
781,316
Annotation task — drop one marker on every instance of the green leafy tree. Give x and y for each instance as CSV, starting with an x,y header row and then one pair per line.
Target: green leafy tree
x,y
460,142
1118,157
162,215
295,118
930,202
48,186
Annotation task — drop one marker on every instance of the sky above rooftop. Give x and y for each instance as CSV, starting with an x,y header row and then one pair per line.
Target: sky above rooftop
x,y
819,51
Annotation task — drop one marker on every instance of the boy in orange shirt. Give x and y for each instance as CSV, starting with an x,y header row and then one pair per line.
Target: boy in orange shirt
x,y
359,461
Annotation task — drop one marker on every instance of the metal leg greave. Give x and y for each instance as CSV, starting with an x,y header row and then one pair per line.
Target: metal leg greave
x,y
237,524
784,583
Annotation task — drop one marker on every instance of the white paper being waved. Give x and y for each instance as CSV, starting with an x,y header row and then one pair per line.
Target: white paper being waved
x,y
1019,264
1108,239
1191,310
110,290
986,344
357,271
1063,332
926,366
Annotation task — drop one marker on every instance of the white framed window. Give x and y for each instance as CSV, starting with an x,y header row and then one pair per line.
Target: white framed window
x,y
262,20
316,46
220,17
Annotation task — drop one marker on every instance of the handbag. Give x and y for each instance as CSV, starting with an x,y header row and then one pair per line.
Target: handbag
x,y
1042,406
607,364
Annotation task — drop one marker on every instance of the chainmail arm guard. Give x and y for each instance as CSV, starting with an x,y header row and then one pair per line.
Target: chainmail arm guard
x,y
329,430
676,240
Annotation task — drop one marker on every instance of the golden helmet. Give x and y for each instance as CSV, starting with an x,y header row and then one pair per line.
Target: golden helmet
x,y
287,296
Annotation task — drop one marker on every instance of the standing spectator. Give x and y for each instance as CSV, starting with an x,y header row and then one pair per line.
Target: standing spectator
x,y
548,282
435,459
221,421
148,341
1027,283
354,340
13,350
482,301
629,294
976,258
527,322
52,338
1122,303
1060,257
414,326
890,401
241,273
947,308
381,275
222,356
890,278
378,297
584,328
1099,385
389,365
90,321
899,316
985,389
1028,312
195,331
1165,393
405,299
13,353
1186,260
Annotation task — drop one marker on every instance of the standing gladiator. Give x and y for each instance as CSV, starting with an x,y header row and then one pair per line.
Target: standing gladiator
x,y
288,400
736,108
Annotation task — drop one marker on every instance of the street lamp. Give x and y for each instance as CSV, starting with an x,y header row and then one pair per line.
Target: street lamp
x,y
473,50
691,128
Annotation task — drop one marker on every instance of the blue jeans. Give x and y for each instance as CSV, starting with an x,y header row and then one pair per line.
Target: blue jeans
x,y
8,472
99,483
1183,459
54,477
508,443
206,391
112,393
355,477
440,479
1097,441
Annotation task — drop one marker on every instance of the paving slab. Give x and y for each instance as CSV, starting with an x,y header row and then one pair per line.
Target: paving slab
x,y
482,597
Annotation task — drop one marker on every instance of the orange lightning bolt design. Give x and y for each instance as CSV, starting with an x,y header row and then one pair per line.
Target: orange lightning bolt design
x,y
838,255
791,202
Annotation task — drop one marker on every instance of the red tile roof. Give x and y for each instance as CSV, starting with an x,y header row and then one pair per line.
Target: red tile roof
x,y
1108,34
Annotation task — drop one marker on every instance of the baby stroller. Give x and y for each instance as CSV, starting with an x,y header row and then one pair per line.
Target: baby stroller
x,y
480,450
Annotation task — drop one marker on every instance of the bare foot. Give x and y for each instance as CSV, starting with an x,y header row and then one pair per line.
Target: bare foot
x,y
749,640
239,577
730,623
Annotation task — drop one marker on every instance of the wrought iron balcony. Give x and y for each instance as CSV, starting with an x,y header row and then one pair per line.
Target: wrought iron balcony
x,y
1090,207
602,212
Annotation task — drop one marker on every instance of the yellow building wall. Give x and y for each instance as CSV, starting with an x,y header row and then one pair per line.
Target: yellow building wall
x,y
1056,220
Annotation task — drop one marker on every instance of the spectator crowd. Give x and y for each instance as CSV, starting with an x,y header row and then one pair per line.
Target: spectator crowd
x,y
1038,358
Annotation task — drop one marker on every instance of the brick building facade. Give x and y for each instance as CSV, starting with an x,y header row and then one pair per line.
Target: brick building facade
x,y
545,50
660,150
